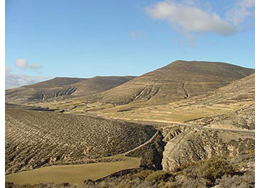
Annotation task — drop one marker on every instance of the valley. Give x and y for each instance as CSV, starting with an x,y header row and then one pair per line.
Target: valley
x,y
160,124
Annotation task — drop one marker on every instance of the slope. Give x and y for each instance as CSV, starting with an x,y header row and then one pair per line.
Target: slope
x,y
63,87
36,139
176,81
231,106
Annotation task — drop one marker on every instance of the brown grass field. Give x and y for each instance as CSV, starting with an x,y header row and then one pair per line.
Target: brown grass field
x,y
74,174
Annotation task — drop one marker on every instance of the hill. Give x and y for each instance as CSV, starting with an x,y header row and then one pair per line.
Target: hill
x,y
207,132
35,139
99,84
220,123
176,81
62,88
241,94
231,106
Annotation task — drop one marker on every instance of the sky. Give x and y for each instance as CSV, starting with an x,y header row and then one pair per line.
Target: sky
x,y
81,38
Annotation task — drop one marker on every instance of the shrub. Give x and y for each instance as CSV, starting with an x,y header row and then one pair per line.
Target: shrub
x,y
216,167
9,185
159,176
89,182
143,174
184,182
65,184
245,181
168,185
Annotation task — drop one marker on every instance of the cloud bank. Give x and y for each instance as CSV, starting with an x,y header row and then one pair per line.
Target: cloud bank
x,y
16,80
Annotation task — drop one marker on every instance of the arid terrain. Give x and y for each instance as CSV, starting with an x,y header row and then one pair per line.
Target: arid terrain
x,y
188,124
35,139
62,88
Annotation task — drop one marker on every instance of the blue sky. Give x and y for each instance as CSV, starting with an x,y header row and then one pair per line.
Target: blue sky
x,y
46,39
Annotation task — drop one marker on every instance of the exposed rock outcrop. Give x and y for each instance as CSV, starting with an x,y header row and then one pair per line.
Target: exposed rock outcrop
x,y
193,145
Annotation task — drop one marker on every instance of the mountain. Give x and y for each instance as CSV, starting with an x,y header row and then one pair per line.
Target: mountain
x,y
63,87
230,106
176,81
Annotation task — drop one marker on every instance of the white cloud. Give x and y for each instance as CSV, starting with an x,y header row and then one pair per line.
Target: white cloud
x,y
15,80
189,18
241,10
35,66
21,63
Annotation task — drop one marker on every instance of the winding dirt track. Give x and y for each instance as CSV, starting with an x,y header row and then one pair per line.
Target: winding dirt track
x,y
214,129
165,124
142,145
252,132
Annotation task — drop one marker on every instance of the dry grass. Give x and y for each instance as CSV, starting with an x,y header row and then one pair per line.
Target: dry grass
x,y
35,139
74,174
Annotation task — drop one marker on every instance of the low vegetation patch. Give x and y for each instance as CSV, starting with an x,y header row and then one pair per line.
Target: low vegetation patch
x,y
217,171
159,176
35,139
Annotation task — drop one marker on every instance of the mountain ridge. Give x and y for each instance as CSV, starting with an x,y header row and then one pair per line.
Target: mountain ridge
x,y
62,87
178,80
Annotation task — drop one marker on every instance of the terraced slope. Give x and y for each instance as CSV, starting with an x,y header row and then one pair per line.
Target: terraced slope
x,y
63,87
99,84
176,81
35,139
240,93
231,106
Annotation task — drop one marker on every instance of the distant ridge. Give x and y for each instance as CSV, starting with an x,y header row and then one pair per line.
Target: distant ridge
x,y
176,81
56,82
62,87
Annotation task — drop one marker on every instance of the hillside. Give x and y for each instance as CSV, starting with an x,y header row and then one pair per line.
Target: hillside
x,y
99,83
35,139
220,123
231,106
176,81
63,87
217,124
240,93
189,124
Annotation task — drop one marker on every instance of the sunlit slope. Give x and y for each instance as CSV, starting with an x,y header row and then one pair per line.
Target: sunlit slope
x,y
60,88
35,139
231,106
240,95
176,81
